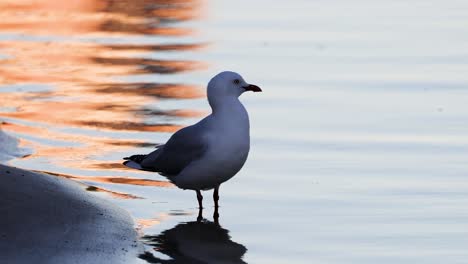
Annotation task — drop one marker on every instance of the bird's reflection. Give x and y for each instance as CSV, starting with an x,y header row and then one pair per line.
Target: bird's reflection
x,y
200,241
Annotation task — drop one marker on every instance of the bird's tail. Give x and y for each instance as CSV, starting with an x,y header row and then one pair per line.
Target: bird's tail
x,y
134,161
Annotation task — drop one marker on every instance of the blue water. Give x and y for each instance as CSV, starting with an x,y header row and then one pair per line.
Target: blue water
x,y
359,140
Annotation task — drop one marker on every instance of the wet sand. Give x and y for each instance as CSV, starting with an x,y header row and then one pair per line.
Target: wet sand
x,y
48,219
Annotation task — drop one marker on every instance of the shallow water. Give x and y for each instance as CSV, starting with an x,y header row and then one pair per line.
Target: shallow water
x,y
359,140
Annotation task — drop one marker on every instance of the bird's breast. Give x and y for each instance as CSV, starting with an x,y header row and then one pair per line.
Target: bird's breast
x,y
228,145
229,150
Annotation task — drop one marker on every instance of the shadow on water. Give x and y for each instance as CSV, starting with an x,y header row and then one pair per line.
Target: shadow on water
x,y
194,242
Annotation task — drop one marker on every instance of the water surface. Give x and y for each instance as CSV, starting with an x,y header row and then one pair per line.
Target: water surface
x,y
359,139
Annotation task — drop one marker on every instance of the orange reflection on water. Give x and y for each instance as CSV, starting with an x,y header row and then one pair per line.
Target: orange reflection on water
x,y
116,180
75,80
96,17
112,179
114,194
146,223
126,180
75,156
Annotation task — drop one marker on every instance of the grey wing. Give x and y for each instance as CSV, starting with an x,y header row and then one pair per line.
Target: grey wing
x,y
185,146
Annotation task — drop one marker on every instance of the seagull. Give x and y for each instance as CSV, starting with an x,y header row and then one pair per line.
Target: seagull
x,y
204,155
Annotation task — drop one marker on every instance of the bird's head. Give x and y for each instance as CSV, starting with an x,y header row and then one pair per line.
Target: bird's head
x,y
229,84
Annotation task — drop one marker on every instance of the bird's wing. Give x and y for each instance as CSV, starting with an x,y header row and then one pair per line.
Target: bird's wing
x,y
185,146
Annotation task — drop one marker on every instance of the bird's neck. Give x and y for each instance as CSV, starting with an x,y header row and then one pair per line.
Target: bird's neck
x,y
231,110
226,105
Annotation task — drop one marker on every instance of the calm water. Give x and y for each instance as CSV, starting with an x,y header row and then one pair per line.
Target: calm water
x,y
359,142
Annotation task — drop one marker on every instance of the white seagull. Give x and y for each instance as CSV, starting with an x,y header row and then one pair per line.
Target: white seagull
x,y
210,152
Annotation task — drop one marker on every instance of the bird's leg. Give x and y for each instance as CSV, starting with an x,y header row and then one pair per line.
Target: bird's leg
x,y
216,199
200,199
200,215
200,206
216,196
216,216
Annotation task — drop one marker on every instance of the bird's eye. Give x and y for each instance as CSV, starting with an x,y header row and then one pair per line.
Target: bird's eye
x,y
236,81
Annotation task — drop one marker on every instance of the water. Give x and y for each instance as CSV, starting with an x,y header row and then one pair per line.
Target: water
x,y
359,139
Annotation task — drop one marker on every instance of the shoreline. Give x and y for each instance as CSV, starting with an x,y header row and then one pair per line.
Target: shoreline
x,y
48,219
9,147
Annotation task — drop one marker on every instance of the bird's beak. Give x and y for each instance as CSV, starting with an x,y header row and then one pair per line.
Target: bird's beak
x,y
253,88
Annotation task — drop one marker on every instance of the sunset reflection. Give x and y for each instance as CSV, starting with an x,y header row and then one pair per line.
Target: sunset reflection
x,y
114,194
114,180
70,54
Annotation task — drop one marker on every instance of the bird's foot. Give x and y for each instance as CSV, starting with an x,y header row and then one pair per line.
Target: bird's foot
x,y
200,215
